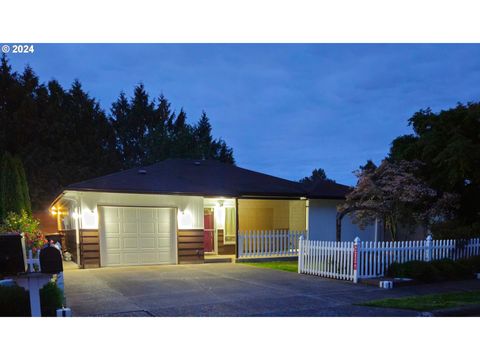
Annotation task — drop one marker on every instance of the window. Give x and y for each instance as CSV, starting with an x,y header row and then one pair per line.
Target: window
x,y
230,226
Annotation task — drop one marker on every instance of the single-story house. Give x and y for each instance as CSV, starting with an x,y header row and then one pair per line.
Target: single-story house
x,y
181,211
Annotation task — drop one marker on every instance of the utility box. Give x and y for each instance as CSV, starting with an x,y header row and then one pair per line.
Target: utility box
x,y
51,260
12,254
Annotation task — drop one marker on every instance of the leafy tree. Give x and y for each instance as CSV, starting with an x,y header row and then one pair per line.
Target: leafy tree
x,y
448,145
394,193
317,175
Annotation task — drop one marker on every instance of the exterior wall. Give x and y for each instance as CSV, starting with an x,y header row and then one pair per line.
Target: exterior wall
x,y
322,223
190,246
271,214
190,208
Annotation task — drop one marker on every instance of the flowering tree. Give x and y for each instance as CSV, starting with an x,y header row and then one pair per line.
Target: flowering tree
x,y
26,224
393,193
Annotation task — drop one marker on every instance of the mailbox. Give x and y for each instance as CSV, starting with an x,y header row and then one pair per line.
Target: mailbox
x,y
51,260
12,254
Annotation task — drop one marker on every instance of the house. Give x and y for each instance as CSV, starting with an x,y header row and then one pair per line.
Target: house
x,y
184,211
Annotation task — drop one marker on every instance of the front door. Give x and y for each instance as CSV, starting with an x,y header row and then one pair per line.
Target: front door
x,y
209,231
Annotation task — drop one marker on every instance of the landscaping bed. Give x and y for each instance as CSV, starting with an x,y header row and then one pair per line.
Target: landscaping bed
x,y
430,302
14,300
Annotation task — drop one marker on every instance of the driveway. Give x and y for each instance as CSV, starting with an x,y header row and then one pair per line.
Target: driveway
x,y
226,290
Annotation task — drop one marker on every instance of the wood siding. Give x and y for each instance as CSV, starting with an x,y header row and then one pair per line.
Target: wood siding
x,y
89,249
190,246
224,249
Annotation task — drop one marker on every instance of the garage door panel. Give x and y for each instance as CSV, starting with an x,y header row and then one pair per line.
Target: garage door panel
x,y
130,227
147,227
147,243
113,243
130,243
113,259
138,236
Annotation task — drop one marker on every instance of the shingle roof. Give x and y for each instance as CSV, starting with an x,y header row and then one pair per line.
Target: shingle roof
x,y
204,178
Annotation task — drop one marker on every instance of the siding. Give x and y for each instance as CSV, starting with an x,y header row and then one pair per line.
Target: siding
x,y
223,249
190,246
89,249
322,223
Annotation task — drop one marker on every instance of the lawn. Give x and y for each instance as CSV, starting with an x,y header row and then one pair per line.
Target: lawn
x,y
291,266
429,302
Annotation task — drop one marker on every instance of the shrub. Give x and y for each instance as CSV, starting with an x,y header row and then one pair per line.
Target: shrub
x,y
437,270
418,270
20,222
15,301
26,224
452,270
472,263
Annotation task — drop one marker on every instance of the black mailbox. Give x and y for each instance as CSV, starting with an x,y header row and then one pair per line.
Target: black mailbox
x,y
12,254
51,260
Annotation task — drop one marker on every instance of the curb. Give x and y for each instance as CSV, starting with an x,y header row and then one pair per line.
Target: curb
x,y
473,310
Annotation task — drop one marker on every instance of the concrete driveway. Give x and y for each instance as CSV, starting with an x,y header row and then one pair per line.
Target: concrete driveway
x,y
226,290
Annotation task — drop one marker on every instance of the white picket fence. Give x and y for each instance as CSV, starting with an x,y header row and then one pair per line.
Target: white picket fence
x,y
326,258
368,259
268,243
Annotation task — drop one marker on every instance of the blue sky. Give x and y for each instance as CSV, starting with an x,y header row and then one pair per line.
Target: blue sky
x,y
284,108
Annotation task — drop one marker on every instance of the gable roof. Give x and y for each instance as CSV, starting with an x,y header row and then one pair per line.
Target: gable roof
x,y
203,178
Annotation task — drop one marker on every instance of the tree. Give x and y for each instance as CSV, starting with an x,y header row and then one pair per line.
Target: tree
x,y
317,175
448,145
394,193
13,187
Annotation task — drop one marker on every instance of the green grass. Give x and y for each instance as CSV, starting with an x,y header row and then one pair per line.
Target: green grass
x,y
429,302
291,266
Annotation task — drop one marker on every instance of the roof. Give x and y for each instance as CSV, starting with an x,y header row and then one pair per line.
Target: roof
x,y
204,178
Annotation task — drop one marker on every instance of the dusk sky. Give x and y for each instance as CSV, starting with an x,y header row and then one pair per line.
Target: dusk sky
x,y
285,109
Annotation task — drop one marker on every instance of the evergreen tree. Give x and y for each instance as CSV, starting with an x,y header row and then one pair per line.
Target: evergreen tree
x,y
24,195
11,192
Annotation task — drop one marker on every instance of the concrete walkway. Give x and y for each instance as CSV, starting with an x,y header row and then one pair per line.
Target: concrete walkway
x,y
227,290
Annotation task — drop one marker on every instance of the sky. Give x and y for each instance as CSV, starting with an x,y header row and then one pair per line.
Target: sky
x,y
284,108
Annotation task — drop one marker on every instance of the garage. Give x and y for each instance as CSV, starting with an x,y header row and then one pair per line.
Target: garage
x,y
137,235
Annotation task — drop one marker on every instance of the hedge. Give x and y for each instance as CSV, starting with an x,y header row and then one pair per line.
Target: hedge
x,y
437,270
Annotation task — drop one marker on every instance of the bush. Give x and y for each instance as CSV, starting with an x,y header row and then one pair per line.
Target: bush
x,y
418,270
15,301
472,263
437,270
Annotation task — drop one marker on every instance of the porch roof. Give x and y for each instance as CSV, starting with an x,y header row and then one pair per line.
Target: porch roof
x,y
205,178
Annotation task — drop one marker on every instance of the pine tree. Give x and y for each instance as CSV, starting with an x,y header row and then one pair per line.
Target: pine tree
x,y
23,185
11,194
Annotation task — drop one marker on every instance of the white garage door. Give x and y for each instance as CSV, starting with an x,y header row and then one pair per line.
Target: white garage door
x,y
137,236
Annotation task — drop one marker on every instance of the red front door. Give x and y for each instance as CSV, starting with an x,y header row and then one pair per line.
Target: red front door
x,y
208,234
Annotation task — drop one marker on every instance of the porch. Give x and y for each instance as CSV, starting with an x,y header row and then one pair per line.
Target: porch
x,y
253,228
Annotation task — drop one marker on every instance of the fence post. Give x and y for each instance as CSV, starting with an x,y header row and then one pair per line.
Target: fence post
x,y
428,248
300,254
356,244
240,244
